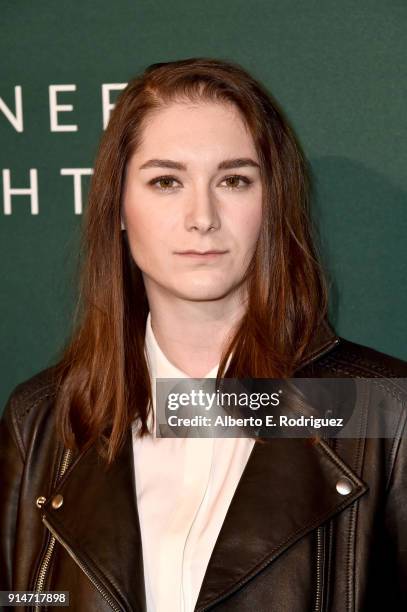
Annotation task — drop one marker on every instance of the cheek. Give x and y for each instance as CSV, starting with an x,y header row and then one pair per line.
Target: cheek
x,y
146,224
139,216
248,227
149,244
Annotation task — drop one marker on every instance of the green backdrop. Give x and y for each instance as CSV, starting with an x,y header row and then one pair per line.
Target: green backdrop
x,y
338,70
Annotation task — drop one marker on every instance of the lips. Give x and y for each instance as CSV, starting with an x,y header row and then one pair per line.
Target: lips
x,y
202,256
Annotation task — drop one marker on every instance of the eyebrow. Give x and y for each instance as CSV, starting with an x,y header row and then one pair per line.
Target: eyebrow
x,y
227,164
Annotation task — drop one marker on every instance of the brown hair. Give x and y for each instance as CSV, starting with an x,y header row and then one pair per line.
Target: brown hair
x,y
103,380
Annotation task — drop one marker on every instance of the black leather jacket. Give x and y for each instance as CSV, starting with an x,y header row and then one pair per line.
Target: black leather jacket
x,y
291,542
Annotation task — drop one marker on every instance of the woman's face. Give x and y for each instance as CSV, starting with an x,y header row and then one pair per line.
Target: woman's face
x,y
193,185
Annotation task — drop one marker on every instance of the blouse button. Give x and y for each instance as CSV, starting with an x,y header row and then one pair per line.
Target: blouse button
x,y
344,486
57,501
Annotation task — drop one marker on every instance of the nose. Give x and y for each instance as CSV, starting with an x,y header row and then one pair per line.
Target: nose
x,y
202,212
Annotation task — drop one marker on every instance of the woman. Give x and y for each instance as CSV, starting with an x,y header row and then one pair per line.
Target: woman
x,y
199,262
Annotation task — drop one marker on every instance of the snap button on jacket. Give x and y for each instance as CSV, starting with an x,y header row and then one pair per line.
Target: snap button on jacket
x,y
311,527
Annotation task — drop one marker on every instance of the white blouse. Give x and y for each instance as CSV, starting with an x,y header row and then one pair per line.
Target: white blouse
x,y
184,487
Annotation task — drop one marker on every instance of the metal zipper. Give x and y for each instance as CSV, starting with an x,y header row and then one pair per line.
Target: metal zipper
x,y
83,567
318,599
66,459
39,585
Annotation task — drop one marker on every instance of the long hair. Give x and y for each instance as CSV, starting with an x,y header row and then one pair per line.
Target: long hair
x,y
103,381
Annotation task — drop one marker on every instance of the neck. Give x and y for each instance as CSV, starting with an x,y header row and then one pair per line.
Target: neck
x,y
193,334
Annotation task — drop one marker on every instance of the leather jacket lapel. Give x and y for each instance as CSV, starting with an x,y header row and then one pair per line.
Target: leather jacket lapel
x,y
290,481
98,524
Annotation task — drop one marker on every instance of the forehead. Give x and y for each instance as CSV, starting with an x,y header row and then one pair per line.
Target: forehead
x,y
214,128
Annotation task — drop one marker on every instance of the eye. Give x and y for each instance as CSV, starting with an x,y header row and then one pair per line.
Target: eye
x,y
234,180
163,182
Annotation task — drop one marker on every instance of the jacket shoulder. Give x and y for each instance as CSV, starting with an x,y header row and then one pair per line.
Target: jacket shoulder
x,y
28,403
351,359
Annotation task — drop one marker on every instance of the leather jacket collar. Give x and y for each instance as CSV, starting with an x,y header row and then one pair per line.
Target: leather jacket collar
x,y
287,489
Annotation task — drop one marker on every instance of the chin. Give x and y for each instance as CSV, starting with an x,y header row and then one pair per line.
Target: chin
x,y
203,293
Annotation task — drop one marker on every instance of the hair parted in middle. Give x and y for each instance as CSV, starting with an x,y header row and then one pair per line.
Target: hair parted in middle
x,y
102,377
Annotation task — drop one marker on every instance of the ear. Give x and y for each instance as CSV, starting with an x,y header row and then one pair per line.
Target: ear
x,y
122,224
